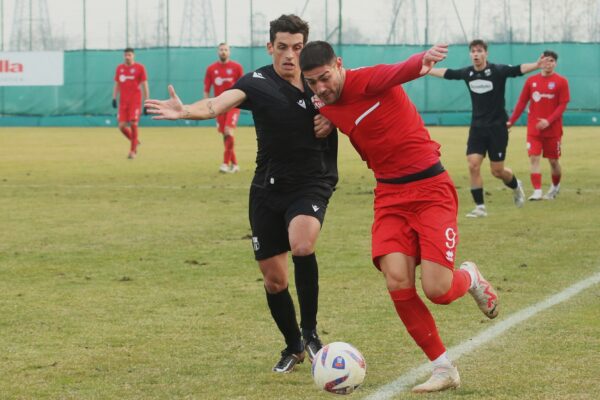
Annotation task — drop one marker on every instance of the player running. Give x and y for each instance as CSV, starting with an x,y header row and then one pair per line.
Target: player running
x,y
415,199
128,78
488,132
296,174
222,75
548,95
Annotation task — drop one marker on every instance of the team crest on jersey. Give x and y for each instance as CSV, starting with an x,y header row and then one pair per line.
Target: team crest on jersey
x,y
551,85
317,102
487,72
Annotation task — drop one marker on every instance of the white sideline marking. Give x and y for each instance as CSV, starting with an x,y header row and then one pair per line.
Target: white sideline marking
x,y
410,378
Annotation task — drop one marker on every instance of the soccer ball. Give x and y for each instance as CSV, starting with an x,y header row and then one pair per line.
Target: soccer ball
x,y
339,368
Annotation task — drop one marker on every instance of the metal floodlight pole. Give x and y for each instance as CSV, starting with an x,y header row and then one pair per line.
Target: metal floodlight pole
x,y
126,23
340,25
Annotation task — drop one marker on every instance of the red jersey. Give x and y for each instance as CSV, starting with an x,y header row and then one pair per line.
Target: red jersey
x,y
222,76
382,122
548,97
129,78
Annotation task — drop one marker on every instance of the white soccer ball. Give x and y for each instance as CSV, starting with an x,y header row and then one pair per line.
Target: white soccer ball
x,y
339,368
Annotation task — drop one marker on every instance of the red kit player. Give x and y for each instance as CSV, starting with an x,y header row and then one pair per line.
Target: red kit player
x,y
547,94
415,199
221,75
128,78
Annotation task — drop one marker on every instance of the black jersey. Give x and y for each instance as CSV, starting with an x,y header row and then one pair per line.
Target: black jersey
x,y
289,156
487,89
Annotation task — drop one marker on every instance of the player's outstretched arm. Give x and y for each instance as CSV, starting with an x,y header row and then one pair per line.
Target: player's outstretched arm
x,y
173,108
529,67
437,72
432,56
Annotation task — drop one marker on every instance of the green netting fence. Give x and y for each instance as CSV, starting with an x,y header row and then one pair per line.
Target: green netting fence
x,y
85,97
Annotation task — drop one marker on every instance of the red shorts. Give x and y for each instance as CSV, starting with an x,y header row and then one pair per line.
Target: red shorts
x,y
129,111
549,145
228,119
417,219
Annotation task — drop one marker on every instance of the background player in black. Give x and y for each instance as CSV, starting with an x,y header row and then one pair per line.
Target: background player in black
x,y
296,173
488,132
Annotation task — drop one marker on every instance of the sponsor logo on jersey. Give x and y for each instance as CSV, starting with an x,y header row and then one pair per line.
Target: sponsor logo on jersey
x,y
481,86
551,85
317,102
258,75
219,81
470,73
123,77
6,66
301,103
537,96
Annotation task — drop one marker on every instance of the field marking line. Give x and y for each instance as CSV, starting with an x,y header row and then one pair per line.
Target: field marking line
x,y
407,380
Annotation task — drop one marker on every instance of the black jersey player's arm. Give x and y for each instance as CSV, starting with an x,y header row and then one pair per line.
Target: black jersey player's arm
x,y
437,72
529,67
173,108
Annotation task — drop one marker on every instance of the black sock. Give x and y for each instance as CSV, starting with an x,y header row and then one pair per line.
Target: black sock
x,y
477,196
513,182
284,314
306,272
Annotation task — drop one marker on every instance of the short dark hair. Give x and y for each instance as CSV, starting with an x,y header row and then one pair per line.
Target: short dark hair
x,y
550,53
223,44
478,42
129,50
316,54
290,24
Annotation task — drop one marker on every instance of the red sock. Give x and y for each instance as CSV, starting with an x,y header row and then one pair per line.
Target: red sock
x,y
134,137
231,151
556,179
461,281
418,321
126,132
227,152
536,181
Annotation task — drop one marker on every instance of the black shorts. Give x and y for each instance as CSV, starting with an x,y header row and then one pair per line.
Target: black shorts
x,y
490,139
271,213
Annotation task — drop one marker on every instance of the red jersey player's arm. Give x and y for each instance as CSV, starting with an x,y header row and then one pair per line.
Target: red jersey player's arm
x,y
145,91
115,91
203,109
386,76
520,106
207,83
563,99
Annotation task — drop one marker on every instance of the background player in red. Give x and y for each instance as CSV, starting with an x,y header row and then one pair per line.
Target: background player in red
x,y
415,200
548,95
128,78
221,75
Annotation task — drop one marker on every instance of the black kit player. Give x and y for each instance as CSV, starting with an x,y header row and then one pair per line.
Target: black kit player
x,y
296,174
488,132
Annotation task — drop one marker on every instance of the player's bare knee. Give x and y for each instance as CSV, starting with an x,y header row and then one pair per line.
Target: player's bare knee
x,y
275,284
434,292
304,248
498,173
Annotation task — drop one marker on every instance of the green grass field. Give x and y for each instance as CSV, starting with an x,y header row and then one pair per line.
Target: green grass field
x,y
126,279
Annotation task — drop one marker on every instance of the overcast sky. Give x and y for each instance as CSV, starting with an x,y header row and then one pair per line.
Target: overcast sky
x,y
364,21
